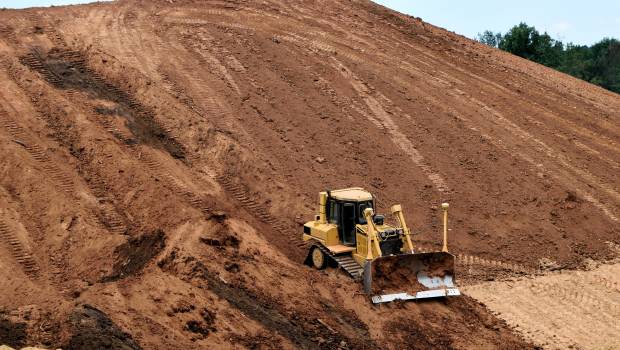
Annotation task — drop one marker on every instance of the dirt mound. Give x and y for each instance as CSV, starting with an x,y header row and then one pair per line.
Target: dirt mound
x,y
160,154
133,255
92,329
12,334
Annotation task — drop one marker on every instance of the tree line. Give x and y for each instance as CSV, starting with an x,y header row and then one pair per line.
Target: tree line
x,y
598,64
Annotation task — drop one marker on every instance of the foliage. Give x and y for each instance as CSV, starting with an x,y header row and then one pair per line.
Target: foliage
x,y
598,64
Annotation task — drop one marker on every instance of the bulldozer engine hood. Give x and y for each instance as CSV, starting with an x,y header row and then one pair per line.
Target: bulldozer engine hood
x,y
384,232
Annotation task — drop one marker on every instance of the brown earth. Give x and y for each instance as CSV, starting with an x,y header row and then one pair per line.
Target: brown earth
x,y
158,158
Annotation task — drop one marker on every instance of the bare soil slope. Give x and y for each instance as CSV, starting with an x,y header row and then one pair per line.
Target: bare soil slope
x,y
158,158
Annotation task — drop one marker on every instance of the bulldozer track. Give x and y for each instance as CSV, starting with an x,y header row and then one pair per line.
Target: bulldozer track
x,y
317,46
19,253
109,217
345,262
570,307
35,62
77,59
240,193
208,59
476,262
8,33
179,188
37,153
175,90
572,295
472,260
378,105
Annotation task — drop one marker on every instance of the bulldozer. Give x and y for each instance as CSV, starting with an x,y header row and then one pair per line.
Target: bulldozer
x,y
347,233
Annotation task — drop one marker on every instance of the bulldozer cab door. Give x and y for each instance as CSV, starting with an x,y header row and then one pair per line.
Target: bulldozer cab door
x,y
347,227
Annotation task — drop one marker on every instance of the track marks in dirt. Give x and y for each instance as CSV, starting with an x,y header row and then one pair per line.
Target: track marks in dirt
x,y
384,121
18,251
109,215
472,268
21,137
204,104
560,309
68,70
8,34
552,162
281,230
201,44
178,187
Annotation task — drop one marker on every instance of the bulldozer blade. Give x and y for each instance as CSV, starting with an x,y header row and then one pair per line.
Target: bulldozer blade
x,y
410,277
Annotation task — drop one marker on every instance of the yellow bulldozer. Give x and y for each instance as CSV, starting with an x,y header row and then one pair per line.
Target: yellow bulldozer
x,y
348,234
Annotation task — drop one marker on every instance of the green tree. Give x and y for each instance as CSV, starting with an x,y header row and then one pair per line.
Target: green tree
x,y
525,41
576,61
605,68
491,39
599,64
520,40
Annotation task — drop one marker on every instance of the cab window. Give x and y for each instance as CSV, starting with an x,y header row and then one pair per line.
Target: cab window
x,y
363,206
332,211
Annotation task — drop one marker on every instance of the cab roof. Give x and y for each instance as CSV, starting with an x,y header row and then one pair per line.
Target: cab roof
x,y
355,194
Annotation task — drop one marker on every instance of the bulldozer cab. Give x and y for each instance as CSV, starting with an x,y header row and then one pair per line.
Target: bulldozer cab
x,y
345,209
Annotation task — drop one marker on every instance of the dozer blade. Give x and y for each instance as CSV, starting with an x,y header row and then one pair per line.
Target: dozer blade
x,y
410,276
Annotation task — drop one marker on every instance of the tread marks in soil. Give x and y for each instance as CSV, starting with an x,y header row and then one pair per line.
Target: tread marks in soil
x,y
37,153
474,264
156,167
93,83
239,193
19,253
108,217
7,33
68,70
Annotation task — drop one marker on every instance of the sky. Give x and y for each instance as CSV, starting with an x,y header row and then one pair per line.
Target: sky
x,y
18,4
580,22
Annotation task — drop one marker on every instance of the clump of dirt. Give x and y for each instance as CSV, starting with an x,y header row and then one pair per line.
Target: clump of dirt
x,y
203,326
93,329
260,341
232,267
208,316
183,307
11,333
222,236
133,255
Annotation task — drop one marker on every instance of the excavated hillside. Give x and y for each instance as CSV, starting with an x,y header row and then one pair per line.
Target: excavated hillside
x,y
159,158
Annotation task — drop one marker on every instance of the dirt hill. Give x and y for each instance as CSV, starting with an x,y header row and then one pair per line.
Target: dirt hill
x,y
159,157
